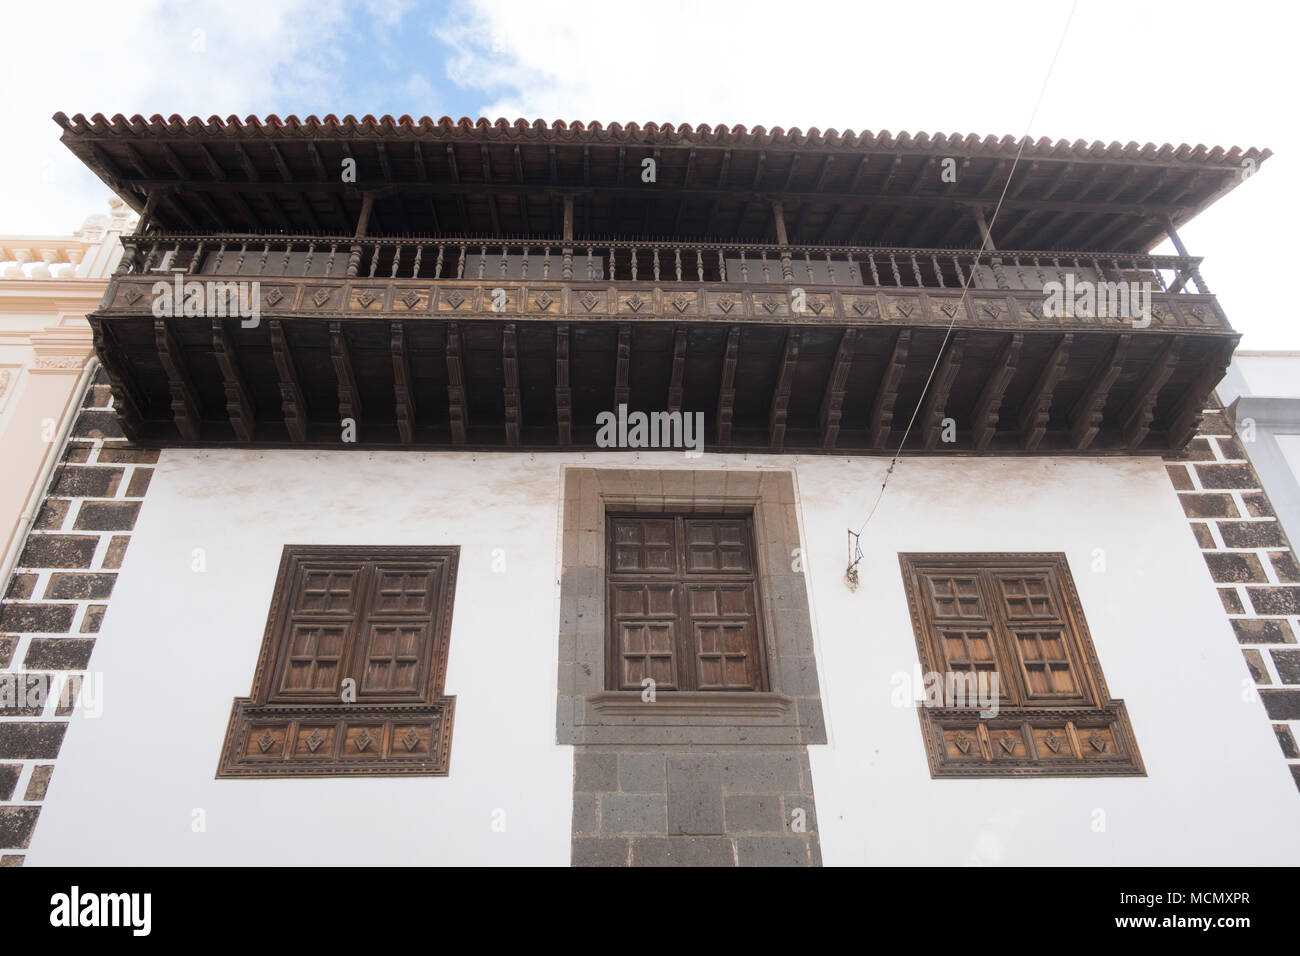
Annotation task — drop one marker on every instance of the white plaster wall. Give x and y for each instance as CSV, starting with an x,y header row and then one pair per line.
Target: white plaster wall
x,y
177,646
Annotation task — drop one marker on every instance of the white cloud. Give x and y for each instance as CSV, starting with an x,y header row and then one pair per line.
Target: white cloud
x,y
142,57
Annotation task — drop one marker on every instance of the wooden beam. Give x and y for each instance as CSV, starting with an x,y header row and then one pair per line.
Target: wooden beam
x,y
349,394
510,370
700,193
402,395
984,418
936,399
727,388
563,394
1187,413
1037,409
881,421
680,338
832,408
291,400
1135,420
1085,419
780,409
622,362
457,411
184,402
120,380
238,405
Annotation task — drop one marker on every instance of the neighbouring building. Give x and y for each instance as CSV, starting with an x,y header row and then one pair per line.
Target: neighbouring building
x,y
651,495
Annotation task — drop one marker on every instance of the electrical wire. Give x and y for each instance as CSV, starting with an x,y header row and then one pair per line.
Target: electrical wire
x,y
988,232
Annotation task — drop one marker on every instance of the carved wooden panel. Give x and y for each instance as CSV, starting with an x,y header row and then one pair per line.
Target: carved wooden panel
x,y
1016,617
683,603
351,672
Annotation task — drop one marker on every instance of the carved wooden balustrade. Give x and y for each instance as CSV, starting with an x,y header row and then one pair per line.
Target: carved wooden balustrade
x,y
521,342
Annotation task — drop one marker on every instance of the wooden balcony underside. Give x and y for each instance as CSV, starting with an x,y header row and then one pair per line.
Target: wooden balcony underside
x,y
427,364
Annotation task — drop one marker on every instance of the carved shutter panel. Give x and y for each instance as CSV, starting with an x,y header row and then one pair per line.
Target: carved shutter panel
x,y
683,599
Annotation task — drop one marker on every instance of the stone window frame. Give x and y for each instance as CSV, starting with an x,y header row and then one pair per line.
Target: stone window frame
x,y
275,735
790,712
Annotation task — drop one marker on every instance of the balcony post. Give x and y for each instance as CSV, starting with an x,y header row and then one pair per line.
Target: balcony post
x,y
567,268
1182,251
354,260
778,218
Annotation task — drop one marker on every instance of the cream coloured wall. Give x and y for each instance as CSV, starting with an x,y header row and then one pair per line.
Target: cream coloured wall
x,y
47,286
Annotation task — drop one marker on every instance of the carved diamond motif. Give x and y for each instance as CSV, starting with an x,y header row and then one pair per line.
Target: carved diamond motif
x,y
544,301
682,302
409,298
365,297
321,297
131,295
590,299
904,308
410,739
1098,742
1198,311
315,740
266,741
1007,742
816,304
635,302
865,308
363,739
962,741
455,298
1053,742
993,309
1035,309
274,296
726,303
949,308
771,303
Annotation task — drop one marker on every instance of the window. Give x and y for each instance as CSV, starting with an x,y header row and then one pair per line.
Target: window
x,y
683,603
1013,684
351,672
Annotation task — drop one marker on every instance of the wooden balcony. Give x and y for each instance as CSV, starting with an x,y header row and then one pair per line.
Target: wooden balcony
x,y
491,343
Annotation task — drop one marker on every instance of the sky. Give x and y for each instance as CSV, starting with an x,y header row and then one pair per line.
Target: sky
x,y
1177,72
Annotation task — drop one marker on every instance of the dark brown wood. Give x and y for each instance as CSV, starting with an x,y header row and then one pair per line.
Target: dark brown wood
x,y
184,403
683,598
936,399
622,364
510,371
881,421
120,380
1191,406
1135,420
1021,687
832,406
291,400
402,396
1037,408
457,410
780,407
352,668
680,337
1085,420
563,393
349,394
238,405
727,388
984,420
